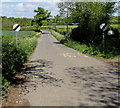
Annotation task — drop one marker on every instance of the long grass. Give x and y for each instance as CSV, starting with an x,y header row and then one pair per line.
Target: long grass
x,y
19,33
88,49
69,42
14,55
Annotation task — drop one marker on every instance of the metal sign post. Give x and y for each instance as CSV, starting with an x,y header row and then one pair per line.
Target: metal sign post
x,y
66,10
16,38
16,27
103,27
103,40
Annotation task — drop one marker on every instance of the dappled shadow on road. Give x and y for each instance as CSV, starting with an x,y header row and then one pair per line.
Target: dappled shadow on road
x,y
56,42
36,75
100,84
45,32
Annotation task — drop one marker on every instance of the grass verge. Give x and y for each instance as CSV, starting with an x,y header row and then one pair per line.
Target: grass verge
x,y
13,57
87,49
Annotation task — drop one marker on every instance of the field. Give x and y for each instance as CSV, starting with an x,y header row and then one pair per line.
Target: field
x,y
19,33
115,26
62,29
62,26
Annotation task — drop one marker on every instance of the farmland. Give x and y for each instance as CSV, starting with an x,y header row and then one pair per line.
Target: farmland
x,y
19,33
62,29
115,26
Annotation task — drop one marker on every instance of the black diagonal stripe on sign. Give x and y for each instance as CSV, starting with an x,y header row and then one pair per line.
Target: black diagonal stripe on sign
x,y
16,27
104,26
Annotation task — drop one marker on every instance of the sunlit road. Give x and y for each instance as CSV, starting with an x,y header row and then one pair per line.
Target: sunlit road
x,y
61,76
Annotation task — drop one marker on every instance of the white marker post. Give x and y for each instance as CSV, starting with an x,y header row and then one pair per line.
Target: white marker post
x,y
16,27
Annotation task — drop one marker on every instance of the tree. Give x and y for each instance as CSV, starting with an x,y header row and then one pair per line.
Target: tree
x,y
89,15
40,17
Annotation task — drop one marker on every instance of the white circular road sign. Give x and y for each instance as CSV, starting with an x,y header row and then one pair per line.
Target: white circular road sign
x,y
110,32
104,27
16,27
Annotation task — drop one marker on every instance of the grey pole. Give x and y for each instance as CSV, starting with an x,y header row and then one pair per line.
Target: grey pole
x,y
67,22
103,42
16,37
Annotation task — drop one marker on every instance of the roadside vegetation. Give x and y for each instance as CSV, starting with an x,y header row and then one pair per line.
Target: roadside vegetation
x,y
14,55
87,49
62,29
89,16
83,33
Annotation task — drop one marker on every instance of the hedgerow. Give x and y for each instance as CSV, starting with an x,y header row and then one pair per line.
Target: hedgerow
x,y
109,51
14,55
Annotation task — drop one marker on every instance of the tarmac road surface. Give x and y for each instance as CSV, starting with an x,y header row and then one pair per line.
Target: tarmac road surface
x,y
60,76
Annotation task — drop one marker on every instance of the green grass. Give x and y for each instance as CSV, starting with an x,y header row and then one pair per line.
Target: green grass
x,y
88,49
13,56
19,33
62,29
57,35
115,26
69,42
63,26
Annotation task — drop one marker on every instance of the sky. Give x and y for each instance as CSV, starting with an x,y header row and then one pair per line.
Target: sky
x,y
26,9
22,8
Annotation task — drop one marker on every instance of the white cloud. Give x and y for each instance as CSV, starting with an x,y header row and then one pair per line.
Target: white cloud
x,y
20,4
30,1
59,0
26,9
6,0
0,9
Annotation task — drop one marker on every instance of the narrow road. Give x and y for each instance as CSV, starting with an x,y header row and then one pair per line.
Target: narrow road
x,y
60,76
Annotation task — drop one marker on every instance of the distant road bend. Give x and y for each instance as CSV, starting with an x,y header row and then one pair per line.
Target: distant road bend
x,y
61,76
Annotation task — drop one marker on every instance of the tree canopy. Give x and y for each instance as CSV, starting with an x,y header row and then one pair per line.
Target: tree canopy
x,y
89,15
40,17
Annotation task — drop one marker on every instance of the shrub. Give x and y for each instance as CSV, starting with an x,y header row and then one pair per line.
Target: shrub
x,y
111,50
13,56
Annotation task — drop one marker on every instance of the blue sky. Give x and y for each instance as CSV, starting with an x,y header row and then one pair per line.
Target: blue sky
x,y
26,9
22,8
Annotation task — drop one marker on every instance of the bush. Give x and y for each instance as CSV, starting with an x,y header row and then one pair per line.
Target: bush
x,y
13,56
12,59
109,51
27,28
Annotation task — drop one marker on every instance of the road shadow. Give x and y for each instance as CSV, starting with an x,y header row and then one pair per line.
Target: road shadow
x,y
32,67
45,32
99,83
36,74
56,42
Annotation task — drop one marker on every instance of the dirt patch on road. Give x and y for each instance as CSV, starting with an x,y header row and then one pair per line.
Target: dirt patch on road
x,y
13,97
113,62
100,82
31,76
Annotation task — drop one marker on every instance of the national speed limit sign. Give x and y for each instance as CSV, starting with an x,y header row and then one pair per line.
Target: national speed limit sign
x,y
16,27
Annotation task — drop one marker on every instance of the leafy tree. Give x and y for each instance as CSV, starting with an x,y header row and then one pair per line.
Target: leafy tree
x,y
40,17
89,15
7,23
